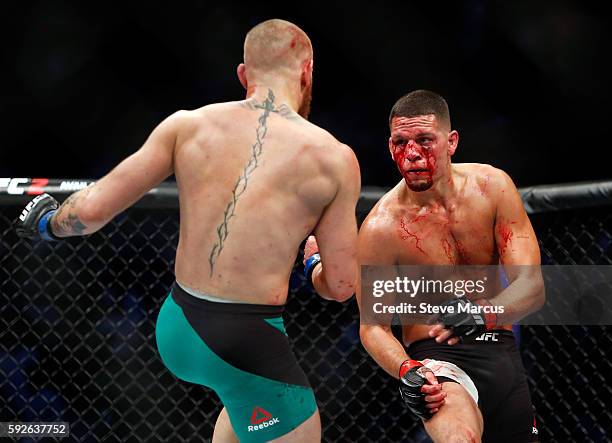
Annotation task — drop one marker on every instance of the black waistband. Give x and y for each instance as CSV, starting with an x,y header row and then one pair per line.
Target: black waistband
x,y
501,335
184,299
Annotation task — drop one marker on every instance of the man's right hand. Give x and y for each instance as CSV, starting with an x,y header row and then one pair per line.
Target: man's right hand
x,y
420,389
34,221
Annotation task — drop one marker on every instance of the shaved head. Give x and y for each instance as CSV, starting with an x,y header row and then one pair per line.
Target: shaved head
x,y
278,54
275,46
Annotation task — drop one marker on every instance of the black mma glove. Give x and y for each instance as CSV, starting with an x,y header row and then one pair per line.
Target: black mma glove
x,y
412,378
468,319
33,223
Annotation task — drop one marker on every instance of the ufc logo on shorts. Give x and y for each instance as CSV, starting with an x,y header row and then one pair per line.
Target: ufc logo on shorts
x,y
488,336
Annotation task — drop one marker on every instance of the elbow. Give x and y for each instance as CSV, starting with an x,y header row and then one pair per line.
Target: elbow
x,y
364,333
340,283
342,293
540,298
370,336
537,297
91,215
333,287
364,336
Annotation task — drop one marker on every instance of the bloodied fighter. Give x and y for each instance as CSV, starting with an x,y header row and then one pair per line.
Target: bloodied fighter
x,y
464,388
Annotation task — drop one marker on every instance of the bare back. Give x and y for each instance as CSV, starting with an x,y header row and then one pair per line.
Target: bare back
x,y
254,179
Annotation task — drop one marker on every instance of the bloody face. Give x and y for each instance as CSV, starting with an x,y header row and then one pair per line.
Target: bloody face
x,y
418,146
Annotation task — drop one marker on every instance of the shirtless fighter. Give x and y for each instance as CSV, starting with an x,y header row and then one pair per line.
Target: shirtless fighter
x,y
453,214
254,179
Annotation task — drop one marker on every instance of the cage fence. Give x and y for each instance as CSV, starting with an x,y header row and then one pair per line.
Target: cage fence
x,y
77,341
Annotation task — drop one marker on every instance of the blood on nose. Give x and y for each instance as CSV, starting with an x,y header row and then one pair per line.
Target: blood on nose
x,y
412,152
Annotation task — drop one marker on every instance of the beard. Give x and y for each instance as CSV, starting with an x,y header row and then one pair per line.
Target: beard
x,y
419,185
304,109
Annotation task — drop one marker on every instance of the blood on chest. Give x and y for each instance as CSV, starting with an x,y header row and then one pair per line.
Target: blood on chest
x,y
446,237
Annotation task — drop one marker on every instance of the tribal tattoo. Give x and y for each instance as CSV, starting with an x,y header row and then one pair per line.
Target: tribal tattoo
x,y
242,182
65,222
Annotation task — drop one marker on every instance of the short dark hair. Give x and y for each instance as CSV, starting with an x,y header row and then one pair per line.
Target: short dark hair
x,y
421,102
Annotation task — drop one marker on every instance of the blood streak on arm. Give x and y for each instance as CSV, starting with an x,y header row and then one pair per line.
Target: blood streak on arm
x,y
505,233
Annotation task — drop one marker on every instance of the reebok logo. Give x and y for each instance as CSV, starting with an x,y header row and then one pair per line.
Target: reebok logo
x,y
488,336
260,419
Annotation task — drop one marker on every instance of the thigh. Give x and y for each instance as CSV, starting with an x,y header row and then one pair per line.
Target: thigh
x,y
307,432
273,410
459,419
224,433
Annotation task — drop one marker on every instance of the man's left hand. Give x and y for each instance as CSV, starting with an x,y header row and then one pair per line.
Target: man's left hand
x,y
456,326
34,222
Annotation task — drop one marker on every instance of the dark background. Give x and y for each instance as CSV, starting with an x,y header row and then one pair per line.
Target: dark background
x,y
82,85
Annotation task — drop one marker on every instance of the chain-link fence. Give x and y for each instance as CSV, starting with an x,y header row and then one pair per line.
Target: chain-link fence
x,y
569,367
77,343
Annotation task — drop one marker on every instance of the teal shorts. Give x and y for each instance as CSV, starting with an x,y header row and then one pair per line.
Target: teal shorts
x,y
241,351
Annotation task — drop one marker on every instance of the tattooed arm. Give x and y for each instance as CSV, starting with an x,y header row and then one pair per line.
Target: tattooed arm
x,y
66,222
90,209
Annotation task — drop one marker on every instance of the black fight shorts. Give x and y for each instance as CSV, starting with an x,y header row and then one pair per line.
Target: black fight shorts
x,y
493,363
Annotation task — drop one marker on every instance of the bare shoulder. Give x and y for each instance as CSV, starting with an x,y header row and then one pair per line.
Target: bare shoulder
x,y
344,155
377,239
500,180
334,155
205,118
183,119
487,177
381,218
206,112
